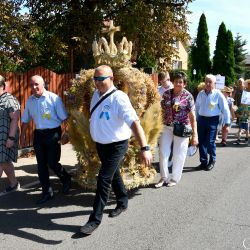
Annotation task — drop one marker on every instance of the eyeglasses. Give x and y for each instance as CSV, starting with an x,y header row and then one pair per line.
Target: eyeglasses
x,y
100,78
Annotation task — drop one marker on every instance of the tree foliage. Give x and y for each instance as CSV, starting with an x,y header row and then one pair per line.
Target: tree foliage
x,y
223,62
230,63
219,66
62,32
14,42
200,52
239,55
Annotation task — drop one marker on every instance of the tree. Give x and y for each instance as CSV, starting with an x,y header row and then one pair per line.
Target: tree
x,y
239,55
219,59
247,74
230,63
63,31
13,36
200,51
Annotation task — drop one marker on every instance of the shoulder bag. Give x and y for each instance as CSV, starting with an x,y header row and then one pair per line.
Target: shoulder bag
x,y
100,101
180,129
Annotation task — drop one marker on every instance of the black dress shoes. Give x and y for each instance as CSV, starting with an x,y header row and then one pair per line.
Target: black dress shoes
x,y
66,185
89,228
45,198
210,166
202,166
117,211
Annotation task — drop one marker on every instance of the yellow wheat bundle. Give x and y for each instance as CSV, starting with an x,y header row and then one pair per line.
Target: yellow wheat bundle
x,y
146,101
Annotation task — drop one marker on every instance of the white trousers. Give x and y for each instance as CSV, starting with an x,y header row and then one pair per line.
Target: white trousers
x,y
180,147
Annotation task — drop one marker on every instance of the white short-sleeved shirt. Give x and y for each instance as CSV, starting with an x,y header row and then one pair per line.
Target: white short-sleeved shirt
x,y
162,90
47,111
112,119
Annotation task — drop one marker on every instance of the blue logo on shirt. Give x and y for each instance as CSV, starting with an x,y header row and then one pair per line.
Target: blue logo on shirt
x,y
105,112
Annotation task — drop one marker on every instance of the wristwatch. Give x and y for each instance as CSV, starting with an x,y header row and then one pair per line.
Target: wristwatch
x,y
146,148
12,138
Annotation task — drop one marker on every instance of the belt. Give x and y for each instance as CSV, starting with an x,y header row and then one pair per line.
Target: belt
x,y
208,117
47,129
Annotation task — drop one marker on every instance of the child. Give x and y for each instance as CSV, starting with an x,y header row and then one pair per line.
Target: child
x,y
227,93
243,114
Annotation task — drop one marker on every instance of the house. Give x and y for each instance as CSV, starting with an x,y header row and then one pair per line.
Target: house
x,y
181,60
247,62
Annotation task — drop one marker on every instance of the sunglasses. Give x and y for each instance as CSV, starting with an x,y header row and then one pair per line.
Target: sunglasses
x,y
101,78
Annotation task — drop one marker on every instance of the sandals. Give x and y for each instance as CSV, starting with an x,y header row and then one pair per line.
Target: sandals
x,y
223,143
160,183
171,183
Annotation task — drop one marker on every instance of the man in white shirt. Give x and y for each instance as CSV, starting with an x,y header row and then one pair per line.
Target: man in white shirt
x,y
210,103
110,127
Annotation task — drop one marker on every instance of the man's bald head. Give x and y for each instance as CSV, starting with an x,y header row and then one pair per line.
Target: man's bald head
x,y
37,85
103,78
104,70
37,78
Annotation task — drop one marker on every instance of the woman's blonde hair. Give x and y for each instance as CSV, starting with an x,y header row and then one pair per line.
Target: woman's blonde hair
x,y
201,86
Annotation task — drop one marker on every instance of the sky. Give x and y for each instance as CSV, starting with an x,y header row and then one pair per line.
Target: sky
x,y
233,13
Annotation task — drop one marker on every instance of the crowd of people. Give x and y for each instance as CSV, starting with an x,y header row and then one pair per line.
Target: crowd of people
x,y
186,122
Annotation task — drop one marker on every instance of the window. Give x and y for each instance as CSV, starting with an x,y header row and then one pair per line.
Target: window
x,y
177,64
175,44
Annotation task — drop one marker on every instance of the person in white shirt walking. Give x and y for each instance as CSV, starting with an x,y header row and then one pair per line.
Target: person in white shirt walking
x,y
210,103
110,127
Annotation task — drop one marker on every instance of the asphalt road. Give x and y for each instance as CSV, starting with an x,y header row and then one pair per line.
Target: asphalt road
x,y
206,210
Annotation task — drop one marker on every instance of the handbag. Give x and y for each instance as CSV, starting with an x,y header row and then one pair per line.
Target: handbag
x,y
181,129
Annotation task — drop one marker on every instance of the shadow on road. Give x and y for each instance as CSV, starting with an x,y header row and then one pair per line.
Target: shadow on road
x,y
32,169
19,214
192,169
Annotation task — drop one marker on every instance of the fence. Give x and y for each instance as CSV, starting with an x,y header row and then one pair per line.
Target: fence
x,y
18,85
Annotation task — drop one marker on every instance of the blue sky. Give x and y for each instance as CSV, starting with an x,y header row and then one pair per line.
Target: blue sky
x,y
234,13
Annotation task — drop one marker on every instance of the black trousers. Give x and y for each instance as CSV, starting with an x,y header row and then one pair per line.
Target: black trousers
x,y
111,156
48,153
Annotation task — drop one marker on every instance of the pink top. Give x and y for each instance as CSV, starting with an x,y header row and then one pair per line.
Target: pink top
x,y
177,111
